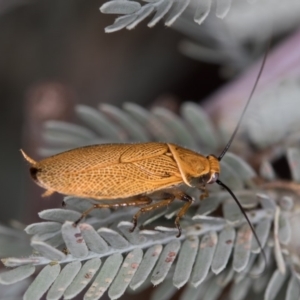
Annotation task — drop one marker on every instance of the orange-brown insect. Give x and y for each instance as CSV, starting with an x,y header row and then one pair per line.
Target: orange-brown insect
x,y
133,172
127,171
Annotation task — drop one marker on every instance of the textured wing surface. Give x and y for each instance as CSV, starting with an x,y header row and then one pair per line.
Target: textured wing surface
x,y
96,156
122,176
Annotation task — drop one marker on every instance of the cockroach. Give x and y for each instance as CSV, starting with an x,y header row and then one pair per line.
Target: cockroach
x,y
133,173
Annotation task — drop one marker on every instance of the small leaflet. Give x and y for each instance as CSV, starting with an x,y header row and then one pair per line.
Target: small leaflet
x,y
74,240
182,133
150,258
104,278
165,262
56,240
192,293
81,205
42,227
293,290
153,124
48,251
285,231
204,259
63,280
209,205
223,250
240,289
44,236
260,283
241,275
161,10
241,167
68,130
210,221
286,203
226,277
164,291
113,238
275,285
232,212
242,248
266,171
201,123
223,7
230,176
247,199
42,282
214,290
126,122
120,23
126,272
185,261
93,240
278,253
266,202
293,157
83,278
202,11
17,274
16,262
260,264
59,215
135,238
120,7
262,230
177,9
99,123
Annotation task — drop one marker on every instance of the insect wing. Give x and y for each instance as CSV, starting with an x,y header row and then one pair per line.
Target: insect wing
x,y
111,171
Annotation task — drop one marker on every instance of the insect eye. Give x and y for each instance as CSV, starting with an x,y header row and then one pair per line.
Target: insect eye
x,y
213,178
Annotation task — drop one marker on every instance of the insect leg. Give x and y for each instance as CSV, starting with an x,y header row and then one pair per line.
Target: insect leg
x,y
136,201
204,194
186,198
48,193
169,198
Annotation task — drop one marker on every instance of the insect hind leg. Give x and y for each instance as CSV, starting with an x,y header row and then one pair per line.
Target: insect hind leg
x,y
136,201
169,197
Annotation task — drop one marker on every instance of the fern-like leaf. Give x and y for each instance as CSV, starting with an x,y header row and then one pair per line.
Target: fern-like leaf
x,y
135,13
216,247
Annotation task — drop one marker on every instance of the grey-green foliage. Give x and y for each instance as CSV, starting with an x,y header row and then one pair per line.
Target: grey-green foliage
x,y
216,247
134,13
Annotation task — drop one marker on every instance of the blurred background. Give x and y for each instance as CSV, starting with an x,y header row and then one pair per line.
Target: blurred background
x,y
55,54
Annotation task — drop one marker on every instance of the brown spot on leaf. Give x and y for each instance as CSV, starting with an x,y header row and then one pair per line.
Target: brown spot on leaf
x,y
134,265
77,235
172,254
228,242
169,259
88,275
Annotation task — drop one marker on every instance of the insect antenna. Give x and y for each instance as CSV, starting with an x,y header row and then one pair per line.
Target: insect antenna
x,y
244,213
247,104
230,142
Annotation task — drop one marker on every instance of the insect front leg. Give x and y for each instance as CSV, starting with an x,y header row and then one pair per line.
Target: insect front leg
x,y
189,200
136,201
204,194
